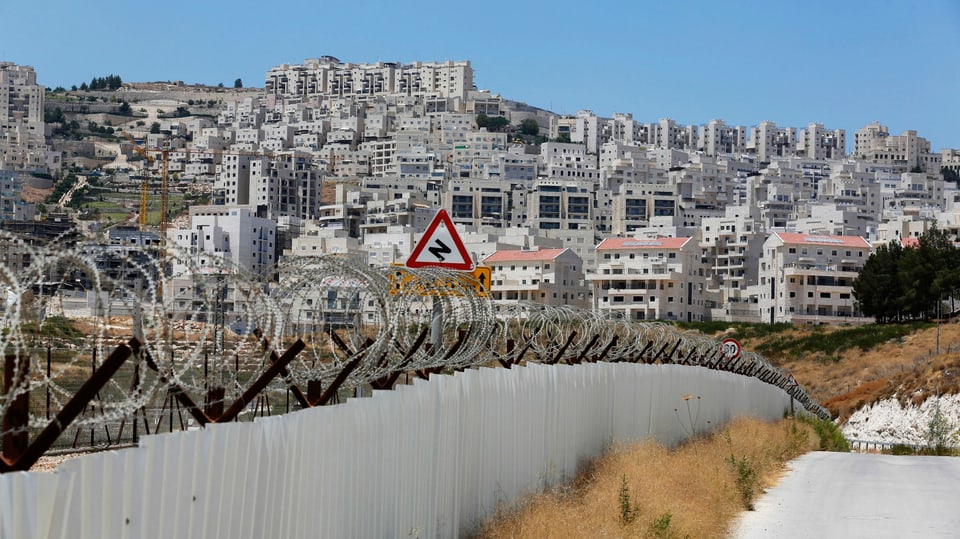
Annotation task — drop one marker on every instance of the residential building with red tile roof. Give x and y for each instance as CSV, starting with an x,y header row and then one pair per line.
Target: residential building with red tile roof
x,y
548,276
650,278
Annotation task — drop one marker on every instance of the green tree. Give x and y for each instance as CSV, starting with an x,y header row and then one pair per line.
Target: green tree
x,y
238,83
530,127
950,175
897,283
155,128
124,109
877,287
53,116
926,275
492,123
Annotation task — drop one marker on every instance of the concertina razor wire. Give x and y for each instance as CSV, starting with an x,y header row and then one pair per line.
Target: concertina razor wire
x,y
204,323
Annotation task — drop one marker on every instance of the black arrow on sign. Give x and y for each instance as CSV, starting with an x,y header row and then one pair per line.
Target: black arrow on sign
x,y
438,252
483,280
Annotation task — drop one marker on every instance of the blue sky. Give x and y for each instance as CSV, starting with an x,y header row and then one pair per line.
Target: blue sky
x,y
841,63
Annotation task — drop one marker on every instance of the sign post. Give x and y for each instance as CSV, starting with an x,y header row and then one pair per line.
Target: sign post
x,y
440,247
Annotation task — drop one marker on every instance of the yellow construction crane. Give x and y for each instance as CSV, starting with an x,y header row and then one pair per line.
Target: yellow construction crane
x,y
145,185
165,172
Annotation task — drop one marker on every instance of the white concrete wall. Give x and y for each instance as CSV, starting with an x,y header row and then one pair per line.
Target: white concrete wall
x,y
427,460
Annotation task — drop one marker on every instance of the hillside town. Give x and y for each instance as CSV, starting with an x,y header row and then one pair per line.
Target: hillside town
x,y
647,220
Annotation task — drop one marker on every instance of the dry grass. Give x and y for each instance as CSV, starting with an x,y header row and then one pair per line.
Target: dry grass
x,y
909,368
696,484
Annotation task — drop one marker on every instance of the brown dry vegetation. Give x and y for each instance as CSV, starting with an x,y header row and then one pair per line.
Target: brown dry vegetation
x,y
908,368
696,484
34,195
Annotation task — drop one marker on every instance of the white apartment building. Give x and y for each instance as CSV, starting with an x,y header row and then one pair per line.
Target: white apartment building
x,y
476,202
421,191
636,204
328,77
477,149
647,279
389,245
950,159
815,142
719,138
317,239
809,278
382,156
583,128
768,141
512,166
245,113
730,247
12,205
548,276
236,234
288,184
915,193
561,204
668,135
560,160
22,129
874,143
779,193
418,163
232,186
624,129
221,240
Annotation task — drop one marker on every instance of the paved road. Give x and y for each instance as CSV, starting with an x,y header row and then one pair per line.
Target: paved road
x,y
853,495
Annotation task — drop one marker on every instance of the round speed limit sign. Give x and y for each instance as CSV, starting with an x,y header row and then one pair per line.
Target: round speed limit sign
x,y
731,348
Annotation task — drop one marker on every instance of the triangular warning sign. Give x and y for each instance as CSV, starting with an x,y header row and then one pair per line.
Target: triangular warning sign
x,y
440,247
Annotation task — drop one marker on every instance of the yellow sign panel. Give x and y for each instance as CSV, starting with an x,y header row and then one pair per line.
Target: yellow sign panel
x,y
401,280
483,274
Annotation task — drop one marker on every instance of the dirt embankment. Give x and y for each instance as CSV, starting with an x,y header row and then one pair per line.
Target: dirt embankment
x,y
909,368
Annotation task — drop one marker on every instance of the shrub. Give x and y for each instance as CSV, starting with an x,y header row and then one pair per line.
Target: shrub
x,y
628,512
831,439
747,479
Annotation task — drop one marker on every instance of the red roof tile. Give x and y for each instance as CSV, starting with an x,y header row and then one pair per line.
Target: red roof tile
x,y
910,241
642,243
524,255
819,239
